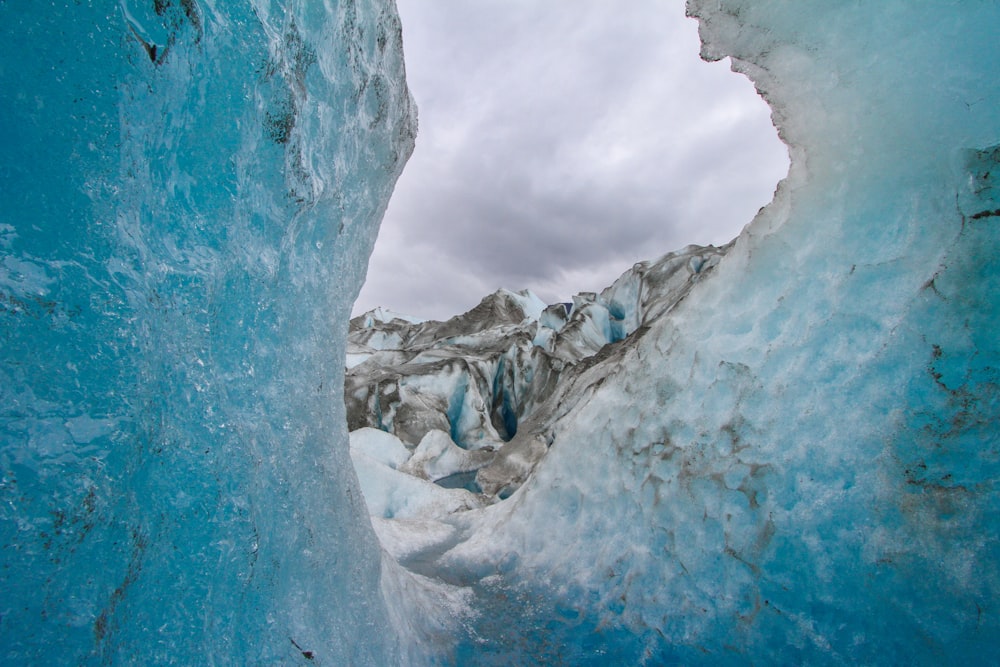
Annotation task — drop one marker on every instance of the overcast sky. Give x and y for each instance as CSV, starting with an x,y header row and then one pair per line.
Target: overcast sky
x,y
560,143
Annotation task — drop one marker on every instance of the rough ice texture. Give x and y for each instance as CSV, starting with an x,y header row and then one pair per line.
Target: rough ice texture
x,y
190,191
795,462
475,382
798,463
473,401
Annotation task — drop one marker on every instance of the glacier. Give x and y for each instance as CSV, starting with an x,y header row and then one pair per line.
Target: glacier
x,y
793,461
478,392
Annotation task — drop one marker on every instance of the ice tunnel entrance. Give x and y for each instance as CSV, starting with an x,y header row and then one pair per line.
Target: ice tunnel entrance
x,y
548,163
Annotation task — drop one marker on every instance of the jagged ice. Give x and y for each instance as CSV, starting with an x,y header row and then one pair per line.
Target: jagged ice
x,y
796,462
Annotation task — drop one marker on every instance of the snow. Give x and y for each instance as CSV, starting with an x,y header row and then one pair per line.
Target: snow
x,y
380,446
393,494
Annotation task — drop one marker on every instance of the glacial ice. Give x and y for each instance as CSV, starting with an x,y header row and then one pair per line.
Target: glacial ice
x,y
391,494
189,191
783,453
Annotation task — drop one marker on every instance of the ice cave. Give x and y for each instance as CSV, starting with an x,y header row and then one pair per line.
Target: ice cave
x,y
781,451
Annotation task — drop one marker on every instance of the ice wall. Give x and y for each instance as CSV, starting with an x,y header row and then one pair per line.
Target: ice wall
x,y
189,192
799,464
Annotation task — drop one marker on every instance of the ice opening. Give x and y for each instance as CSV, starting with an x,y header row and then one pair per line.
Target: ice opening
x,y
479,376
558,147
789,456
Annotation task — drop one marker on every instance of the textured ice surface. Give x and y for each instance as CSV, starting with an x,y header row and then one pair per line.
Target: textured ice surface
x,y
798,463
189,192
795,462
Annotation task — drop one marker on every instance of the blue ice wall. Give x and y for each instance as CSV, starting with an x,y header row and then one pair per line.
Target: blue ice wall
x,y
799,465
189,192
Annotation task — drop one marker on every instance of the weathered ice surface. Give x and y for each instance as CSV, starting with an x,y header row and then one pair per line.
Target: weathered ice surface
x,y
451,417
492,381
796,463
189,192
791,460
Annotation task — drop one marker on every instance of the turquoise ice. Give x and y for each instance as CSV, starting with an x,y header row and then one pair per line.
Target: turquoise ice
x,y
190,191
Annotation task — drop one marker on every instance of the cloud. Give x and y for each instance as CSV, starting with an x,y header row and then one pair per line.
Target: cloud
x,y
558,142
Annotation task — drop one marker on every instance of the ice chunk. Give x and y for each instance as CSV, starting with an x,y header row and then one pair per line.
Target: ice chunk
x,y
391,494
380,446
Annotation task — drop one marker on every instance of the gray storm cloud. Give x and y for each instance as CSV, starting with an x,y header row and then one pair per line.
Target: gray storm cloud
x,y
560,144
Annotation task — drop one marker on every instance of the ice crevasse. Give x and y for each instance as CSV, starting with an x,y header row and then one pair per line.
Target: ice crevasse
x,y
797,465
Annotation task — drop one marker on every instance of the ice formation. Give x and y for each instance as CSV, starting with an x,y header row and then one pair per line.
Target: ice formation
x,y
463,396
796,462
190,191
793,461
